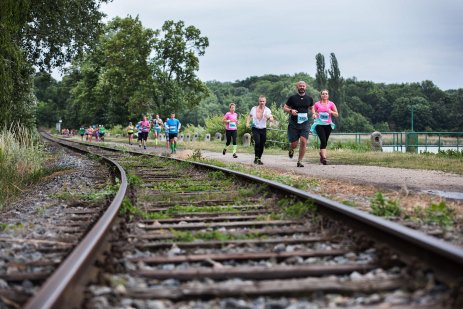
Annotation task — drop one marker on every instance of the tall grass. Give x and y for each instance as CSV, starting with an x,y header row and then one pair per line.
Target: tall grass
x,y
21,161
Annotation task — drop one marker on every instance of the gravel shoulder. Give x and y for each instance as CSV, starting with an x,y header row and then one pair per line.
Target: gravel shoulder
x,y
381,177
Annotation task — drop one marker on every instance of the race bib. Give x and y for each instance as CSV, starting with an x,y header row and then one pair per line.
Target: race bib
x,y
232,125
324,116
302,117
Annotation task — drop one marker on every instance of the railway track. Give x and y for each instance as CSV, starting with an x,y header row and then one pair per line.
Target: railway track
x,y
191,236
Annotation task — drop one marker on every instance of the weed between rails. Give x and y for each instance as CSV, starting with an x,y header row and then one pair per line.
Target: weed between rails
x,y
212,235
93,196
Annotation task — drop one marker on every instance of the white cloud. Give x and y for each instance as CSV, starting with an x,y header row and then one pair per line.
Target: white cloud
x,y
390,41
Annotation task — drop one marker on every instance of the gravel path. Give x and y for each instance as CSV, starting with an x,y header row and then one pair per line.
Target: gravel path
x,y
434,182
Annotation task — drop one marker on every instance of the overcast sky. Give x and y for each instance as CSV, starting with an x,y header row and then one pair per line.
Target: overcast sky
x,y
388,41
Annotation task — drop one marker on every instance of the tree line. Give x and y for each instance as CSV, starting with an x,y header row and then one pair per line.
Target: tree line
x,y
121,70
365,106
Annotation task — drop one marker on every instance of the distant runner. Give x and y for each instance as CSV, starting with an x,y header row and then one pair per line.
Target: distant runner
x,y
157,124
174,126
145,129
231,127
130,130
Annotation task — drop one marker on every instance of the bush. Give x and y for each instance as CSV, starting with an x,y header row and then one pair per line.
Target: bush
x,y
21,160
191,129
383,207
118,129
215,124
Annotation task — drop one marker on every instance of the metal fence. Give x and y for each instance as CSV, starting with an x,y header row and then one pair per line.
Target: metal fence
x,y
398,141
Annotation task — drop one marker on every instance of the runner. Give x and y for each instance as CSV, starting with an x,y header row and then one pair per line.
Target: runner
x,y
259,115
298,107
139,135
166,133
130,129
157,124
96,132
82,133
89,134
174,127
145,129
231,125
102,132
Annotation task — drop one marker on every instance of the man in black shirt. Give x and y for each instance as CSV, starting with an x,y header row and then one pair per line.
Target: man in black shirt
x,y
298,106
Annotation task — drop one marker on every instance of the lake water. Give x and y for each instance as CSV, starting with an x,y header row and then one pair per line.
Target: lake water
x,y
421,149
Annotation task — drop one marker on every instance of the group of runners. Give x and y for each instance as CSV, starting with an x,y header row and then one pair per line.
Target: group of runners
x,y
142,128
93,131
299,106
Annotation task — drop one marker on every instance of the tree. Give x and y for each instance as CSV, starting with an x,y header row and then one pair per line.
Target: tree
x,y
356,122
57,31
320,76
45,34
401,114
116,82
335,85
175,63
16,101
125,81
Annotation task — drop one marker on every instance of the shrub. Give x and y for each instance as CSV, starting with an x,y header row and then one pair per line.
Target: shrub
x,y
383,207
21,160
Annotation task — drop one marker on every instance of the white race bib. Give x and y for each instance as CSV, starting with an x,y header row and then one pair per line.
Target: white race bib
x,y
302,117
232,125
324,116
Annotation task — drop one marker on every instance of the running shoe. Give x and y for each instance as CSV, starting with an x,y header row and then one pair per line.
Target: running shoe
x,y
224,151
144,147
324,161
256,160
299,164
235,156
259,162
291,153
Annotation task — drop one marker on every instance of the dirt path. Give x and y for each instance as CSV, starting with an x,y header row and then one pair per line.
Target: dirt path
x,y
401,180
434,182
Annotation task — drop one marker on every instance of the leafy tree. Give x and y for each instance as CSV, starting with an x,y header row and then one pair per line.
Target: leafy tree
x,y
57,31
174,66
356,122
115,83
45,34
46,90
335,84
16,102
125,81
401,114
321,77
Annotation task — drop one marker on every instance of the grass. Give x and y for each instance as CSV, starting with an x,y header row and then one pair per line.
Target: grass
x,y
21,161
211,235
93,196
385,207
438,214
446,162
342,152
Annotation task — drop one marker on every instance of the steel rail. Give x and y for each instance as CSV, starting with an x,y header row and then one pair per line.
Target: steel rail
x,y
445,258
63,286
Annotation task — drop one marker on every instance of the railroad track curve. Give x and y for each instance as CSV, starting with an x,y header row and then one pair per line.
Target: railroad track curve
x,y
192,235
